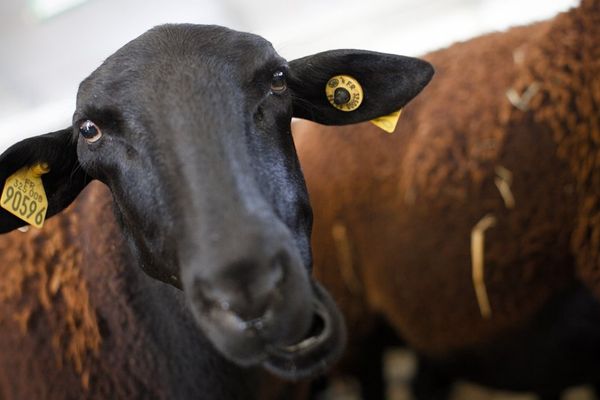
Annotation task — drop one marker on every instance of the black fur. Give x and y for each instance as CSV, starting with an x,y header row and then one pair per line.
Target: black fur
x,y
388,82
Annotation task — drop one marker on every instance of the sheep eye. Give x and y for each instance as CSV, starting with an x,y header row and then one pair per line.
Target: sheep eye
x,y
278,84
90,131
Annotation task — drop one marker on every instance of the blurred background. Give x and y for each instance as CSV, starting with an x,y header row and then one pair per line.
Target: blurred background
x,y
49,46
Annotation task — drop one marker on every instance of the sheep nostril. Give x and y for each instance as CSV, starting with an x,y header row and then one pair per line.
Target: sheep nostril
x,y
319,330
317,326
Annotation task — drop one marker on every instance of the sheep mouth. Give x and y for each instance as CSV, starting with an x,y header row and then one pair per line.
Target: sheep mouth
x,y
320,347
249,342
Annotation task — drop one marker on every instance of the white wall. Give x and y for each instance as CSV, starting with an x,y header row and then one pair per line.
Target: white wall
x,y
42,62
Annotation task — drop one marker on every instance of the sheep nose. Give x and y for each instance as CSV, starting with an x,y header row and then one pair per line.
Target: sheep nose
x,y
254,284
245,287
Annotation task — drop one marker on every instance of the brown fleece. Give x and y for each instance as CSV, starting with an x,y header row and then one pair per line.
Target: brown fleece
x,y
408,201
567,64
45,310
54,339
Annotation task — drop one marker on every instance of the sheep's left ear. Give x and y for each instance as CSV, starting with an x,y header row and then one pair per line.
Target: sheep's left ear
x,y
388,82
62,183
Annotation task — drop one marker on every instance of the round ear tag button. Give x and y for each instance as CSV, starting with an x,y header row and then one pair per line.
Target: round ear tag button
x,y
344,93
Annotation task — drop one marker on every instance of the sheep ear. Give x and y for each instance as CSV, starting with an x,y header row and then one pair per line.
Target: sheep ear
x,y
387,83
63,181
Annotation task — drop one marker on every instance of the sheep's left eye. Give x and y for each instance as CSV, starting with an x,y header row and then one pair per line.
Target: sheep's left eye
x,y
90,131
278,84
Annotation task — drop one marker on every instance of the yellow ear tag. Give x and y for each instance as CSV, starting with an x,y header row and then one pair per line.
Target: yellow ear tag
x,y
388,122
344,92
24,195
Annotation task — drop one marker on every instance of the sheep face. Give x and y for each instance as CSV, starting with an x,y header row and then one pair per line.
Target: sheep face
x,y
189,126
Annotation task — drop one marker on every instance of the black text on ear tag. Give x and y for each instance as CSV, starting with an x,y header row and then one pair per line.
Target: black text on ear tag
x,y
24,195
344,92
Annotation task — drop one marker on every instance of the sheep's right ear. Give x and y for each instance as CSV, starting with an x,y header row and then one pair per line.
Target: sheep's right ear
x,y
62,183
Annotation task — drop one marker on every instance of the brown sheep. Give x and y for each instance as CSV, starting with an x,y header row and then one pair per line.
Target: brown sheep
x,y
509,129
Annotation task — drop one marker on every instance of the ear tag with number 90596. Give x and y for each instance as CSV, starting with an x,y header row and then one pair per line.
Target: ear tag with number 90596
x,y
24,195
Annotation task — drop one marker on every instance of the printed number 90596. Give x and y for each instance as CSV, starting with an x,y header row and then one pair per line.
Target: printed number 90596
x,y
23,205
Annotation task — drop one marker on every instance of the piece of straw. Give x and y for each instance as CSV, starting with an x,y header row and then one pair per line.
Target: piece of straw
x,y
344,253
477,263
503,181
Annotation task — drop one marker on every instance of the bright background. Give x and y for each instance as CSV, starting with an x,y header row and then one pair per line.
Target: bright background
x,y
48,46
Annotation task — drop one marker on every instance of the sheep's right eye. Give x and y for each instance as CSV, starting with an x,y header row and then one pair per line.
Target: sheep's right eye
x,y
90,131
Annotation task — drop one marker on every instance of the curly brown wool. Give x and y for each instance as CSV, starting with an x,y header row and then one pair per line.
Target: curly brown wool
x,y
567,63
46,313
